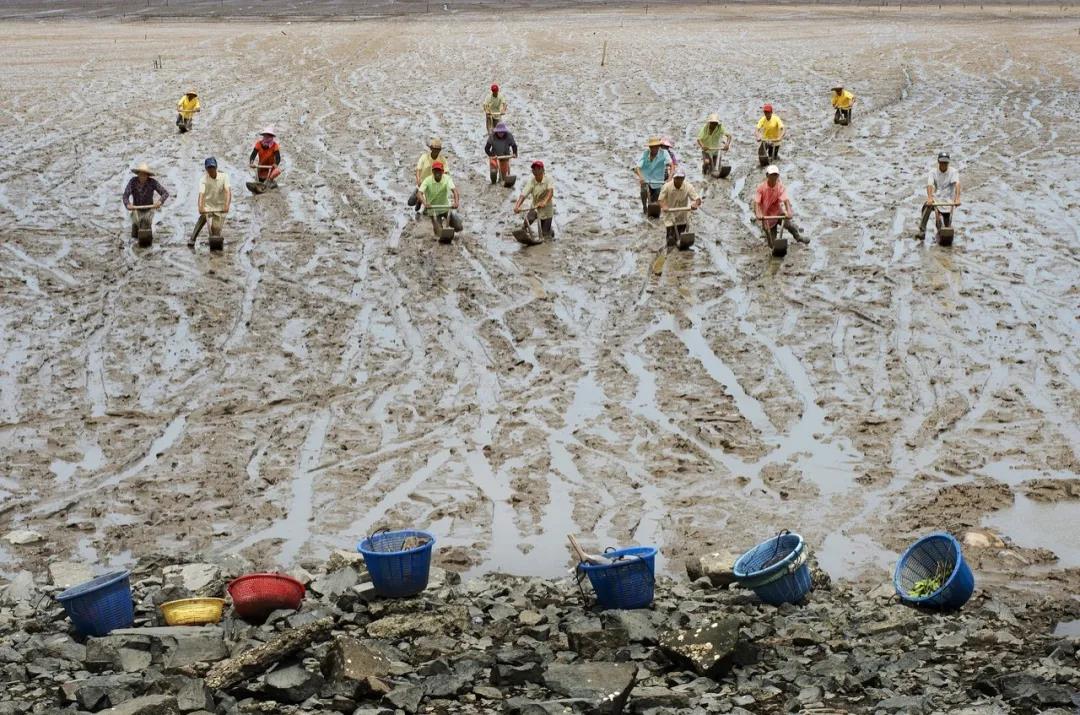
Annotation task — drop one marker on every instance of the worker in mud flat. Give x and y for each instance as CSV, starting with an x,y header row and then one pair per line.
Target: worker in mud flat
x,y
139,197
440,197
709,137
500,143
771,199
769,133
186,107
494,108
265,158
677,194
215,198
669,146
540,190
842,102
423,169
652,172
942,187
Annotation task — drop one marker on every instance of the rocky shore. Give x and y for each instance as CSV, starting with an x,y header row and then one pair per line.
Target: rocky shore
x,y
502,644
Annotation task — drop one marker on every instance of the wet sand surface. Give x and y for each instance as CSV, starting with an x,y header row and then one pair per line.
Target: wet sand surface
x,y
335,370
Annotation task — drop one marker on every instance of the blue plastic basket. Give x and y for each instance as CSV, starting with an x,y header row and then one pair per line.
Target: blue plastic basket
x,y
922,560
627,583
776,569
99,606
396,573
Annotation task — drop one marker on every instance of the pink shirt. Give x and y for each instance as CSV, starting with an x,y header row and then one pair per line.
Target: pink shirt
x,y
771,199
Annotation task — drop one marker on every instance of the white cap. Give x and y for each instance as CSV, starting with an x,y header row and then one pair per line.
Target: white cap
x,y
772,169
680,172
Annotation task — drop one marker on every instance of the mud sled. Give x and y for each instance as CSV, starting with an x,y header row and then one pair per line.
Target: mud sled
x,y
944,233
525,235
842,117
259,186
768,151
143,229
183,124
774,237
495,171
217,242
715,166
680,240
445,225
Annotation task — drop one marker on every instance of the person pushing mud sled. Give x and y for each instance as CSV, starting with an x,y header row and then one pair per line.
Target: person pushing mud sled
x,y
139,199
652,171
772,208
186,107
215,198
440,200
540,190
677,200
265,158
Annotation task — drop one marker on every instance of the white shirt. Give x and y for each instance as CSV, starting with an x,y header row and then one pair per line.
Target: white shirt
x,y
944,183
213,191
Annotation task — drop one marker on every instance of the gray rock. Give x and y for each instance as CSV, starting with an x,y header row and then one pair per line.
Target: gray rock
x,y
195,578
637,624
340,558
65,574
193,695
21,590
407,697
503,674
292,684
23,537
146,705
718,567
1026,689
708,650
170,647
588,641
903,704
606,686
101,691
336,583
449,620
359,666
647,698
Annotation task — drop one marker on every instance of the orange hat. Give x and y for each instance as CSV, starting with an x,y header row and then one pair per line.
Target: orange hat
x,y
538,164
767,107
437,165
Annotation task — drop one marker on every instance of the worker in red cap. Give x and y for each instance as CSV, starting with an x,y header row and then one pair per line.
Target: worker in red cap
x,y
769,134
494,108
541,190
440,197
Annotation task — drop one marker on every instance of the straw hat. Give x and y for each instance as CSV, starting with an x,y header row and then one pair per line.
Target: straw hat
x,y
192,92
143,168
435,143
653,141
268,130
714,117
838,85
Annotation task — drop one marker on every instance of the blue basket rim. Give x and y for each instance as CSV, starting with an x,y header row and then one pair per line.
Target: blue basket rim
x,y
641,552
782,564
93,585
410,532
904,557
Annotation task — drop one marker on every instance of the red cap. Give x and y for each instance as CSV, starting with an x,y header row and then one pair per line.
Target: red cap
x,y
767,107
437,165
494,88
538,164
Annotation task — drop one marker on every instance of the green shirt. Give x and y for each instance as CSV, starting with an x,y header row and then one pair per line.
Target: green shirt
x,y
495,104
711,140
437,193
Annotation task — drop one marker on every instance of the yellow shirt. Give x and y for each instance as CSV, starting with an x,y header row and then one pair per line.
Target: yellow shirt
x,y
187,106
771,128
423,164
214,191
495,105
538,190
844,100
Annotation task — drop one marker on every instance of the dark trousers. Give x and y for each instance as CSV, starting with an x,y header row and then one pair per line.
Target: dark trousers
x,y
789,225
927,210
673,233
545,223
770,151
648,195
844,114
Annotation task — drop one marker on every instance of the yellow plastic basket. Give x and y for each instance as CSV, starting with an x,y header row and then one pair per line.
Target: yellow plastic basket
x,y
193,611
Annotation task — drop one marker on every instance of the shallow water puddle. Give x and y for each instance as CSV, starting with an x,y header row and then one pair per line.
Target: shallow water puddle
x,y
1034,524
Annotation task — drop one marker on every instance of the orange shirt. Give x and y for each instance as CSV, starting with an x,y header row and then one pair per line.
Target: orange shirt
x,y
266,156
771,199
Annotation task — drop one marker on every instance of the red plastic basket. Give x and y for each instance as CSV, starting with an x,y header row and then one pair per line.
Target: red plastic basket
x,y
256,595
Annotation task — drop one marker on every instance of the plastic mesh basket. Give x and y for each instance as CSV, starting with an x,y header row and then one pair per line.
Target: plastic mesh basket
x,y
101,605
396,573
255,596
626,583
776,569
933,554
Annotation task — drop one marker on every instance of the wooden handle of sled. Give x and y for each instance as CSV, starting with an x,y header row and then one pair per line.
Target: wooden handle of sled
x,y
141,208
441,206
264,166
505,156
949,204
769,218
680,209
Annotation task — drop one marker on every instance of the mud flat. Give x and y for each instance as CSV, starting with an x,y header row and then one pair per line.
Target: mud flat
x,y
335,370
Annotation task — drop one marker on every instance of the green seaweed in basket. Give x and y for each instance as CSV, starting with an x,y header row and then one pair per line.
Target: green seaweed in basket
x,y
931,585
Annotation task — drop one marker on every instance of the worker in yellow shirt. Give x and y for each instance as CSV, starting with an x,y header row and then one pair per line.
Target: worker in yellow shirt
x,y
423,169
769,134
842,102
186,107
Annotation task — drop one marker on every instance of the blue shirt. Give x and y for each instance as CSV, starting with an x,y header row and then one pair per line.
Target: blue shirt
x,y
655,170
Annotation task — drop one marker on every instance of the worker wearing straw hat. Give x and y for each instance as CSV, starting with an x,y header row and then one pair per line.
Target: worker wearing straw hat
x,y
842,102
267,152
709,137
186,107
139,197
652,171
